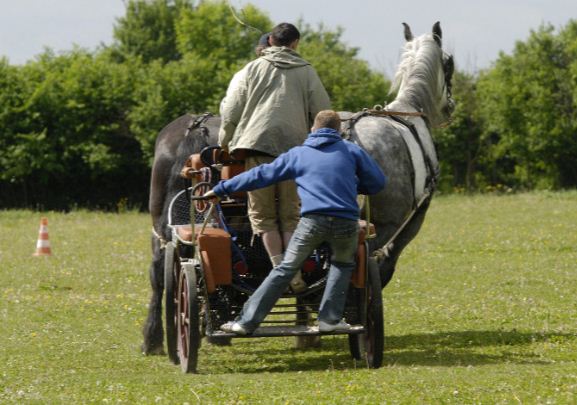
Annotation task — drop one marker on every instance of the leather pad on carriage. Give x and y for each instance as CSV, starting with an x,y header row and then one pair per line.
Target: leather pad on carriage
x,y
193,163
363,230
216,254
358,278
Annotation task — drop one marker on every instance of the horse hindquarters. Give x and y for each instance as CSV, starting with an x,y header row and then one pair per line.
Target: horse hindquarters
x,y
383,140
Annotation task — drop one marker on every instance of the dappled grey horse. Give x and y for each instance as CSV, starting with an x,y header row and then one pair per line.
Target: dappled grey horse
x,y
398,137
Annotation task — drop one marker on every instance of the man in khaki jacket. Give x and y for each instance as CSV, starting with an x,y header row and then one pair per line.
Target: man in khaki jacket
x,y
269,108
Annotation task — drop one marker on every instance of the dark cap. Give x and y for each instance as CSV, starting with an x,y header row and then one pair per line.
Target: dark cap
x,y
263,41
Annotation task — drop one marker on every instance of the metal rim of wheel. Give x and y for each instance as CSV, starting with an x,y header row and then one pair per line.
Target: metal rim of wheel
x,y
188,319
355,341
370,345
171,276
374,338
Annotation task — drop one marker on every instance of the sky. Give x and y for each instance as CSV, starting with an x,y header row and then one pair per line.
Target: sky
x,y
474,31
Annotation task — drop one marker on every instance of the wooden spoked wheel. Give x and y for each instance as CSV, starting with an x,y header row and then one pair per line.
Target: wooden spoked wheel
x,y
370,344
171,275
188,319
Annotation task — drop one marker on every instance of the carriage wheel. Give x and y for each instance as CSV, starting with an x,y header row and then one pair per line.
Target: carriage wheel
x,y
355,341
375,335
370,344
171,273
188,319
198,191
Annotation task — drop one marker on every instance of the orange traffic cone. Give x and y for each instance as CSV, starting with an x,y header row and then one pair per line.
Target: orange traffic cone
x,y
43,244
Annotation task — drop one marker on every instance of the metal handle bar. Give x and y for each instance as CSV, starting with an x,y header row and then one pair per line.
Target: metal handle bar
x,y
202,198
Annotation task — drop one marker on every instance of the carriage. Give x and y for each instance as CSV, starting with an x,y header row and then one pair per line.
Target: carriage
x,y
213,263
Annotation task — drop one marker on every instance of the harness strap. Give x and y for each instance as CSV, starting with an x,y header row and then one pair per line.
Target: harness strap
x,y
349,131
432,176
198,122
433,173
389,113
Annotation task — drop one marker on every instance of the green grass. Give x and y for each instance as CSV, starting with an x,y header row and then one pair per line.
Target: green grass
x,y
482,309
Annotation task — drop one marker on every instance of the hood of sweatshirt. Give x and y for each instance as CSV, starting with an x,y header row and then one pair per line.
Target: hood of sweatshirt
x,y
323,137
283,57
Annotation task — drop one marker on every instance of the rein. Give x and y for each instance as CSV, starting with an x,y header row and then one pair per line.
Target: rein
x,y
198,122
380,112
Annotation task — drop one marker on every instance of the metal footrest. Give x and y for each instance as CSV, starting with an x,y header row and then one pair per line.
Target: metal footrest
x,y
296,330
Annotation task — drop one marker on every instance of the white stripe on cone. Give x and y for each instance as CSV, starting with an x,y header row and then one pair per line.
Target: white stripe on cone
x,y
43,243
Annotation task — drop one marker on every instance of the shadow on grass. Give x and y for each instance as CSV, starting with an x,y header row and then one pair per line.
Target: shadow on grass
x,y
442,349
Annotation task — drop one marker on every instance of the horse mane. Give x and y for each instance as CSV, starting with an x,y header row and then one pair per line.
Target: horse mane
x,y
419,77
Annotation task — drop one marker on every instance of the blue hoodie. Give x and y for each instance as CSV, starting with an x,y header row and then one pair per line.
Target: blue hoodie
x,y
329,173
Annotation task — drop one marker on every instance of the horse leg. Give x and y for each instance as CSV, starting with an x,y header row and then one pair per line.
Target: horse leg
x,y
152,330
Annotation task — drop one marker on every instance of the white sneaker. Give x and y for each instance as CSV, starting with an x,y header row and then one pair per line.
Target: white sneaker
x,y
328,327
233,327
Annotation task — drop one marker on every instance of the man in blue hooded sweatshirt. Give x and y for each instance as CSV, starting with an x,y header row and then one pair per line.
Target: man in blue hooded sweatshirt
x,y
329,173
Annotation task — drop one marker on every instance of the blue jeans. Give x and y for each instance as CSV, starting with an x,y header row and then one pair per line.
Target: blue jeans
x,y
312,230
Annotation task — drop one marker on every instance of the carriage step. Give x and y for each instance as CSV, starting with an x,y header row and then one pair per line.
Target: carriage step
x,y
295,330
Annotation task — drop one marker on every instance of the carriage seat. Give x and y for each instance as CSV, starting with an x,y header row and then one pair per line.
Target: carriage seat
x,y
215,250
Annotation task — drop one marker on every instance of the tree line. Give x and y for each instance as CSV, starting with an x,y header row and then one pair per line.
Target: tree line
x,y
78,128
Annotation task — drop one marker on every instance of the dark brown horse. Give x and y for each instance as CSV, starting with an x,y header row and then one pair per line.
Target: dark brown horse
x,y
184,136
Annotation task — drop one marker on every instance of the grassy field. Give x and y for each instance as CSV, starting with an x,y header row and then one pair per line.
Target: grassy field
x,y
482,309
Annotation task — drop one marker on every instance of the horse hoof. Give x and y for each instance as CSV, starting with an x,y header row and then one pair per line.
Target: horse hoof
x,y
152,351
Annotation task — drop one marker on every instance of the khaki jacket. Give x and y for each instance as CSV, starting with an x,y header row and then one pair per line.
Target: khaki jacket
x,y
271,103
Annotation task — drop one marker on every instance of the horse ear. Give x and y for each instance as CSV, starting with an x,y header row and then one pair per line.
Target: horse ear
x,y
408,33
438,34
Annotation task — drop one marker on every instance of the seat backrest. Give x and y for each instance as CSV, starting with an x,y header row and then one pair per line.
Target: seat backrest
x,y
216,254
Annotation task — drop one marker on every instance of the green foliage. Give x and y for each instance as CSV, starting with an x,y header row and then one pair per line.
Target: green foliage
x,y
148,29
460,146
13,91
73,125
350,82
475,314
68,129
210,31
168,91
529,106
